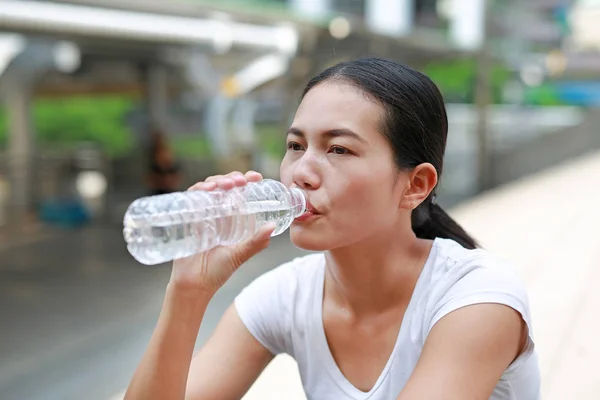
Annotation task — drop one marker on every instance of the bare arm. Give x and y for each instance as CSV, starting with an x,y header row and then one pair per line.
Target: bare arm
x,y
228,364
224,368
163,371
466,353
232,359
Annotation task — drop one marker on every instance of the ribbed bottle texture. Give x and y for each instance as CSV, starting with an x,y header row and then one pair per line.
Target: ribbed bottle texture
x,y
162,228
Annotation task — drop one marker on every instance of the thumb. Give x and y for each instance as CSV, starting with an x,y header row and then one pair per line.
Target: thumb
x,y
248,248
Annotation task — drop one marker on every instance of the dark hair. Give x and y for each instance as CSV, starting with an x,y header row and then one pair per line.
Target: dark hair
x,y
415,124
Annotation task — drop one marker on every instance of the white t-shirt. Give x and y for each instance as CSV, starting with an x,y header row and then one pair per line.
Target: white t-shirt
x,y
282,309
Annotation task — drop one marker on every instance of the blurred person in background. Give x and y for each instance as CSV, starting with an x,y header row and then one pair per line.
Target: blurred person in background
x,y
164,173
397,302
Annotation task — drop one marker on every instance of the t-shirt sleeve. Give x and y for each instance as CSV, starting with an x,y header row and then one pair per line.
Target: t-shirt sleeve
x,y
265,308
485,280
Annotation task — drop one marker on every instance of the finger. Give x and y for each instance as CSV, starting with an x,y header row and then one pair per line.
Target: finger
x,y
234,174
213,178
245,250
225,183
253,176
239,180
266,230
203,186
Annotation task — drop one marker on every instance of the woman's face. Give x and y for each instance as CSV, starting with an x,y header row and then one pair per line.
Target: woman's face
x,y
337,155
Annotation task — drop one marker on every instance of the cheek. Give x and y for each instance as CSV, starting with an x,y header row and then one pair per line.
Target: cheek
x,y
354,214
285,175
358,206
363,200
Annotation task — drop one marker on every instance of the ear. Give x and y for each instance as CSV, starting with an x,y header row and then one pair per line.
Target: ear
x,y
421,181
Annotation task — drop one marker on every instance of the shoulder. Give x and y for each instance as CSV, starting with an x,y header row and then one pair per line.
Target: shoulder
x,y
456,259
267,305
460,277
471,269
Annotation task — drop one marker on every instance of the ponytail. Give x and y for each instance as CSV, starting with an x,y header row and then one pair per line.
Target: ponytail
x,y
430,221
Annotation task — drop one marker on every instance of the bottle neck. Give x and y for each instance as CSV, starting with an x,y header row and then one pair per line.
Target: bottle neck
x,y
298,202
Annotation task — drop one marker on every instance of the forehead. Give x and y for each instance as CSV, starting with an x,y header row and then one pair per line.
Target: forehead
x,y
338,105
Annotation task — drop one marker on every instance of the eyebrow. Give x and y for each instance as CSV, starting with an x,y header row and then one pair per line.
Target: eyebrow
x,y
330,133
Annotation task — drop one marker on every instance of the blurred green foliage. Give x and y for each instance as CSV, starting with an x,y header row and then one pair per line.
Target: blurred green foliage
x,y
3,127
456,79
191,146
543,95
270,139
62,123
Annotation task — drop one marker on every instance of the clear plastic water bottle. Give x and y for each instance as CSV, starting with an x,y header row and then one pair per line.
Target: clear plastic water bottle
x,y
165,227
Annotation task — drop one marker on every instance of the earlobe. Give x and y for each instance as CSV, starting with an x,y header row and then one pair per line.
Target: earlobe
x,y
422,180
410,196
406,201
403,184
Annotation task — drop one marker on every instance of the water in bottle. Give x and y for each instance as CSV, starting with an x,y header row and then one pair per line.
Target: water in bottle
x,y
175,225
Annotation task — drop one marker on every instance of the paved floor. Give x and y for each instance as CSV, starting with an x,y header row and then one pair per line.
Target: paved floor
x,y
77,311
548,226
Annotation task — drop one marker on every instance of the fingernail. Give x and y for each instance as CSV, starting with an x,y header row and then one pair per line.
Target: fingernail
x,y
270,226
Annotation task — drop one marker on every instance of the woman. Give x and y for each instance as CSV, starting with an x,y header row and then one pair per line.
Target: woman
x,y
398,304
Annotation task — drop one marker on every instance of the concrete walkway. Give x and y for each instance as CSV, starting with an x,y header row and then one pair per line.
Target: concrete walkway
x,y
78,311
547,225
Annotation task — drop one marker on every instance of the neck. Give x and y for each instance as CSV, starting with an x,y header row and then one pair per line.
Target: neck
x,y
375,274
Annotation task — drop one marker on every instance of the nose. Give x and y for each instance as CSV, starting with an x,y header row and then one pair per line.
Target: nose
x,y
306,172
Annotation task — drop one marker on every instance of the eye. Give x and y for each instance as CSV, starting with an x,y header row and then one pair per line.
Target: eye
x,y
338,150
293,146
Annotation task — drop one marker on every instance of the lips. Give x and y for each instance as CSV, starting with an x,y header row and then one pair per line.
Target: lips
x,y
311,212
310,208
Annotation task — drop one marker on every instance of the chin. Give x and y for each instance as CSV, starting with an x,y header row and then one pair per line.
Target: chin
x,y
307,240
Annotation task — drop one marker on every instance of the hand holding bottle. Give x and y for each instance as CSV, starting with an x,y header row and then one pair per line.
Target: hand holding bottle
x,y
210,270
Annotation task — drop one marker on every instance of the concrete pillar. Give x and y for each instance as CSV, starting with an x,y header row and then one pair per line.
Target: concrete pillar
x,y
215,125
20,151
16,90
244,130
243,123
311,8
483,95
230,127
157,96
394,18
467,23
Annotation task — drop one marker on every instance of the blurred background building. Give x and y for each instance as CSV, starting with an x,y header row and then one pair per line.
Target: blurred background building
x,y
85,86
84,83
